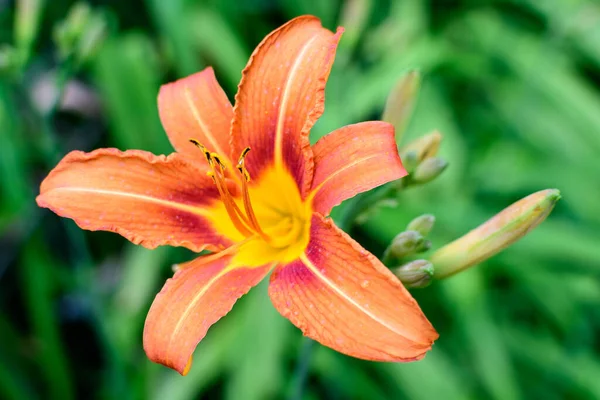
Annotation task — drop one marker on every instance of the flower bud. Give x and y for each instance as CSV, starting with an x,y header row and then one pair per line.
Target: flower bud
x,y
80,34
429,169
401,101
354,17
496,234
423,246
410,161
422,224
415,274
405,244
27,25
424,147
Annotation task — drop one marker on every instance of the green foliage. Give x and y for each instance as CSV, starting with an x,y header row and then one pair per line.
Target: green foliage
x,y
511,85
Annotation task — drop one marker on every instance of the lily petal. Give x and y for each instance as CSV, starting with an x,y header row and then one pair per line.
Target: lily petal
x,y
151,200
281,95
354,159
198,295
196,107
342,296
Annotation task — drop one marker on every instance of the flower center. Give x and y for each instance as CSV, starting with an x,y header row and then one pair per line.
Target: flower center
x,y
267,218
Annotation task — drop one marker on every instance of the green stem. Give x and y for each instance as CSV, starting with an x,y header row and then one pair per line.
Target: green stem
x,y
302,367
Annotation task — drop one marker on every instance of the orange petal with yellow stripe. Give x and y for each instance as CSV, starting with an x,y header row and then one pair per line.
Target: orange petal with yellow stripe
x,y
342,296
354,159
151,200
198,295
281,95
196,107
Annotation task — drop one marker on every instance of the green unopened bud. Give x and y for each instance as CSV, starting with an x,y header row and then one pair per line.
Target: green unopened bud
x,y
27,26
400,102
354,17
422,224
80,33
415,274
423,246
429,169
425,147
93,36
496,234
410,161
405,244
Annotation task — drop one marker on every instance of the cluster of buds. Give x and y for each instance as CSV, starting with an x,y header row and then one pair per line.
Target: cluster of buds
x,y
416,273
481,243
419,156
421,160
423,165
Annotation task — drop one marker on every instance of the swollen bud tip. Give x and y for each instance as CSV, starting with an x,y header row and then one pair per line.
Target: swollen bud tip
x,y
415,274
424,147
429,169
401,101
494,235
422,224
405,244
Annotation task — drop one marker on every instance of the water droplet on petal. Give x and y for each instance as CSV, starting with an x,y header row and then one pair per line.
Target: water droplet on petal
x,y
364,284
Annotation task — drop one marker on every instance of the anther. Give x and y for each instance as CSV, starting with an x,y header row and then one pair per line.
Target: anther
x,y
240,164
243,155
212,175
204,149
217,159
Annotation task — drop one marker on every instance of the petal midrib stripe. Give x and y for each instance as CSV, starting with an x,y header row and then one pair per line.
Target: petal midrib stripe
x,y
339,292
213,141
149,199
284,101
340,170
192,304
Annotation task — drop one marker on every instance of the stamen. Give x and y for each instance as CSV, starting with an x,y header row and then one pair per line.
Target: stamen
x,y
229,196
247,224
230,206
246,196
201,147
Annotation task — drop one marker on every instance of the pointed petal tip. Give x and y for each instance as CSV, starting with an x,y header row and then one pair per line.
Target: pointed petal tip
x,y
188,366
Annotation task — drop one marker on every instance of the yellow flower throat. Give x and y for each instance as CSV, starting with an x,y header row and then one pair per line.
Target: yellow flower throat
x,y
268,220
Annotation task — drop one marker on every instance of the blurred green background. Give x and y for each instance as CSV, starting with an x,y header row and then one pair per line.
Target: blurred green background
x,y
514,86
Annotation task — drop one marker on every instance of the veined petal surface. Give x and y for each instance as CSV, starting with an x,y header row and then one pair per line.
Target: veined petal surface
x,y
196,107
151,200
281,95
342,296
354,159
199,294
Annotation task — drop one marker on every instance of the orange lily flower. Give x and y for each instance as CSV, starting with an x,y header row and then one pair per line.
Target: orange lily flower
x,y
258,211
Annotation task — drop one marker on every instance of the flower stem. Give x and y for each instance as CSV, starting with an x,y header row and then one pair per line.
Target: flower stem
x,y
302,367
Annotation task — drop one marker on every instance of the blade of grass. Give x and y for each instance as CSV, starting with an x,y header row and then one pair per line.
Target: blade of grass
x,y
37,282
